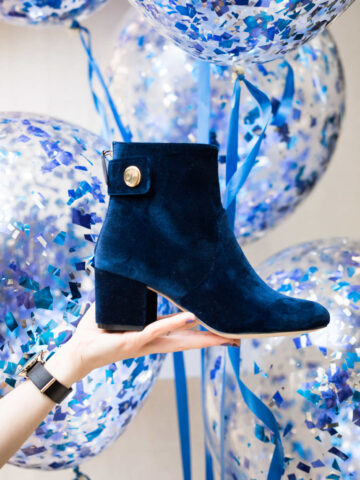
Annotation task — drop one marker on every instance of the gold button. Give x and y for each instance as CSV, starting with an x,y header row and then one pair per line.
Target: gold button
x,y
132,176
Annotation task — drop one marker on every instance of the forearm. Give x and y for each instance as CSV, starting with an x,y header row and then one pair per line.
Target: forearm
x,y
23,409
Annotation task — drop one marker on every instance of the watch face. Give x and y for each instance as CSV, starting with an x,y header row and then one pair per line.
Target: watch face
x,y
38,357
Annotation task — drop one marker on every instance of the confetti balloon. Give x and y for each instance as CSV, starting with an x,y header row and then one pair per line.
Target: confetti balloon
x,y
46,12
240,31
160,103
311,382
52,206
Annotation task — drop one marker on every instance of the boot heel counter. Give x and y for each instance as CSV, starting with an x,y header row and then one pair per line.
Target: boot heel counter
x,y
103,252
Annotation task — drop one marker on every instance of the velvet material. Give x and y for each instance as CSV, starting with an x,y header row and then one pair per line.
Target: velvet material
x,y
175,238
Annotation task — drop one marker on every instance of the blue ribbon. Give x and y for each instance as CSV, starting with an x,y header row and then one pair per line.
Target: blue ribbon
x,y
99,106
264,413
285,108
238,174
204,104
209,471
183,413
80,475
235,178
85,38
232,146
222,420
203,131
256,406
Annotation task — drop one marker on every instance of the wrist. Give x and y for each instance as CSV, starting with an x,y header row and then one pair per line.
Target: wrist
x,y
66,364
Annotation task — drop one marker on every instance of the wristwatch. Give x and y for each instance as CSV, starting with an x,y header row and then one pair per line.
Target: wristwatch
x,y
42,378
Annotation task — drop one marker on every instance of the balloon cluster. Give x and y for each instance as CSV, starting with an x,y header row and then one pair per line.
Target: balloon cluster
x,y
53,204
311,382
54,201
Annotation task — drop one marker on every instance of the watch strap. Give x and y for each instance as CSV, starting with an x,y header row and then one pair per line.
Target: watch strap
x,y
47,384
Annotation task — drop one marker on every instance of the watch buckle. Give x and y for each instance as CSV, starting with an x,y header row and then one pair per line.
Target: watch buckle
x,y
37,357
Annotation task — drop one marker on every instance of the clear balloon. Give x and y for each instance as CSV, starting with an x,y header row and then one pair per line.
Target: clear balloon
x,y
47,12
240,31
53,201
311,382
154,85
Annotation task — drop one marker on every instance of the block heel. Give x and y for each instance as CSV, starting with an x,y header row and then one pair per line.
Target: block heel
x,y
123,304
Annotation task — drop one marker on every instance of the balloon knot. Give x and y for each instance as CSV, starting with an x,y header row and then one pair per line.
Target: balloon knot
x,y
75,24
238,72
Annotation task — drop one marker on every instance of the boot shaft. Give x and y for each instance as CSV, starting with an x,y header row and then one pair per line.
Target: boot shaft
x,y
174,169
168,221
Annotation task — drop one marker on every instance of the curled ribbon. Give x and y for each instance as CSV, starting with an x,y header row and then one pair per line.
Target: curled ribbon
x,y
85,38
237,175
235,179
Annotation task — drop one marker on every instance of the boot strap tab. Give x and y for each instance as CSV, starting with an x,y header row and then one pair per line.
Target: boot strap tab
x,y
129,176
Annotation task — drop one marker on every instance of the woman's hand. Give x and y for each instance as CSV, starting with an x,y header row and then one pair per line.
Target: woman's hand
x,y
92,347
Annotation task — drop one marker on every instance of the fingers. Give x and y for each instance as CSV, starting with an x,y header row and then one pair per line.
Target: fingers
x,y
187,340
168,324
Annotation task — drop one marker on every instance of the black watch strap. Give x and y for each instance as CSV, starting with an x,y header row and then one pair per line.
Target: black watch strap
x,y
47,384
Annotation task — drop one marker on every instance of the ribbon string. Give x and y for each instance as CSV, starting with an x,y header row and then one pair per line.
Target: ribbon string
x,y
233,147
285,108
262,412
236,176
183,413
209,471
203,136
85,38
223,419
240,173
80,475
204,106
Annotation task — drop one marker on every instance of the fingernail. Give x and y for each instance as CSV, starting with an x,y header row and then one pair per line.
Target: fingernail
x,y
191,320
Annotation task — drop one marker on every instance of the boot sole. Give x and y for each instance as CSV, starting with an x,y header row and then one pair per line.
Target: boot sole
x,y
239,335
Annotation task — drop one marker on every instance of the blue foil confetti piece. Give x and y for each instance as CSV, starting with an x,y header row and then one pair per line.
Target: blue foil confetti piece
x,y
60,238
81,219
10,321
304,468
43,299
338,453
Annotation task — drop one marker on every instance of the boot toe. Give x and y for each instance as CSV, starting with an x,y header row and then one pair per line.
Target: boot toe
x,y
321,316
297,315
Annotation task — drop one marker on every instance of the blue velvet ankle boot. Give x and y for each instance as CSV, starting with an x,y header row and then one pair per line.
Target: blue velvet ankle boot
x,y
166,232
